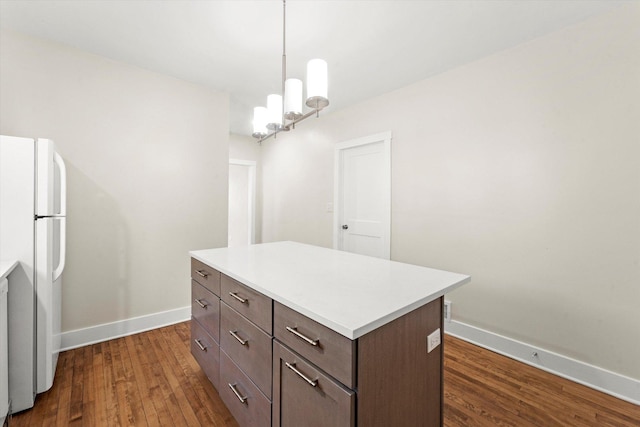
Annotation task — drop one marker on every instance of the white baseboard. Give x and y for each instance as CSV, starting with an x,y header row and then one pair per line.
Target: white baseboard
x,y
617,385
122,328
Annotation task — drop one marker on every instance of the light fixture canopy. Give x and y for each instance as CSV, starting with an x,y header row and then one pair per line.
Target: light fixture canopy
x,y
282,116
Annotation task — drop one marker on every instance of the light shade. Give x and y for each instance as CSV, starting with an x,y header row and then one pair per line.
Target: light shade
x,y
260,119
317,86
292,99
274,105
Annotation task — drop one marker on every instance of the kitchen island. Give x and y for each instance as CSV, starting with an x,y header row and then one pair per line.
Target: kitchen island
x,y
293,334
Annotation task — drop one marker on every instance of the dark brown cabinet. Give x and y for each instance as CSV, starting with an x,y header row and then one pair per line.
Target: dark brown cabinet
x,y
206,276
248,346
304,395
248,405
205,308
249,303
245,352
274,366
205,319
329,350
206,351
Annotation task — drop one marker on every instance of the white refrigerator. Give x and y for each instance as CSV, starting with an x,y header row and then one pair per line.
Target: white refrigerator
x,y
32,231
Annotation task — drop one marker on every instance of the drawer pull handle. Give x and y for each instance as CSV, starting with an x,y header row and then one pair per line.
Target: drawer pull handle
x,y
302,337
201,304
202,273
292,366
236,336
235,295
199,344
237,393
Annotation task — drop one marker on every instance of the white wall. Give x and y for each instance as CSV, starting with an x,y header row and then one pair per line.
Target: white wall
x,y
521,169
243,147
147,158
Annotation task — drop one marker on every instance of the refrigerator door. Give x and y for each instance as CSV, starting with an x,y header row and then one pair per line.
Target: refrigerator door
x,y
48,307
50,259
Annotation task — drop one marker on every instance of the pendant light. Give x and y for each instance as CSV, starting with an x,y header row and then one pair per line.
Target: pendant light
x,y
274,109
284,110
292,99
260,120
317,84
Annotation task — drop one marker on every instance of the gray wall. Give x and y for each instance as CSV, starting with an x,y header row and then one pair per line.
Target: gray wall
x,y
147,160
521,169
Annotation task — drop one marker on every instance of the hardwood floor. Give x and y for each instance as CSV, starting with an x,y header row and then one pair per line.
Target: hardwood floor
x,y
150,379
147,379
482,388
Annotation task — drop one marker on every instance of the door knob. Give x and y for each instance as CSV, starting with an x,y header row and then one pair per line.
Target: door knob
x,y
345,227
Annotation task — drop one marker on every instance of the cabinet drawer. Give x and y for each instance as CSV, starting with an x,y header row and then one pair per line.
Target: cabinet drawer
x,y
206,351
251,304
304,396
251,350
330,351
205,308
206,276
249,407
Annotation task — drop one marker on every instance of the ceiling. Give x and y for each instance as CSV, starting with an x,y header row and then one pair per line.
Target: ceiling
x,y
372,47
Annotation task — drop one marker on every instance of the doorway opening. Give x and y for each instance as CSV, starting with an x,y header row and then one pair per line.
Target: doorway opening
x,y
242,201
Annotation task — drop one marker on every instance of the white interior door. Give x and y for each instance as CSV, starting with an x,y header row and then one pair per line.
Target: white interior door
x,y
362,196
241,230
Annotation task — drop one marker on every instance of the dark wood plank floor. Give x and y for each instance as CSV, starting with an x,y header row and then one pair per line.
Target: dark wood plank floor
x,y
482,388
150,379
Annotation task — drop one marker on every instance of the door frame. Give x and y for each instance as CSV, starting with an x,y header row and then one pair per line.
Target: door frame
x,y
385,138
251,202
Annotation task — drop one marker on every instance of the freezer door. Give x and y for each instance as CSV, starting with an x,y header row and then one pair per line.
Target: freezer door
x,y
51,184
45,174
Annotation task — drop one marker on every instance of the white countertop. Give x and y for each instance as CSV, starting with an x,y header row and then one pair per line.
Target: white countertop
x,y
6,267
349,293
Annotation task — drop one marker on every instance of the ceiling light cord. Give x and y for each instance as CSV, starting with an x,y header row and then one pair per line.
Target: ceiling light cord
x,y
284,51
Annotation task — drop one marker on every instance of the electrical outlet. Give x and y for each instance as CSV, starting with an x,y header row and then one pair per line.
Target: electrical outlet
x,y
433,340
447,311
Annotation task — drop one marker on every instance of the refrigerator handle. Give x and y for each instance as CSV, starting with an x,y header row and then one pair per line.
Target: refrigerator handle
x,y
63,183
63,211
63,248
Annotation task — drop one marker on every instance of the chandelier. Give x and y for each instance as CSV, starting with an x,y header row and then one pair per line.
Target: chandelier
x,y
279,116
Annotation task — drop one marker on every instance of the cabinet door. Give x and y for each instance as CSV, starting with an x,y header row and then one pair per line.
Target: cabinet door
x,y
206,351
205,308
243,399
325,348
206,276
248,346
251,304
304,396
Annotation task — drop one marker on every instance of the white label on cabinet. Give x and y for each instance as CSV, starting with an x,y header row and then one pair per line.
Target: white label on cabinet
x,y
433,340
